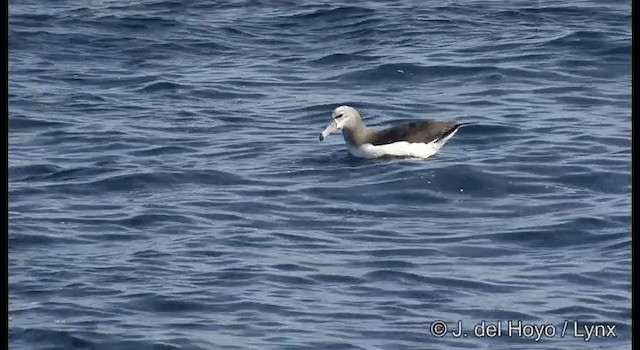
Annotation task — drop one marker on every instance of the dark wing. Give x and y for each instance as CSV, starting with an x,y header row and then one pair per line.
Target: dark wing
x,y
420,131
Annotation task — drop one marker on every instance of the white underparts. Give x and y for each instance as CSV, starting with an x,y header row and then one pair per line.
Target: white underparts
x,y
399,149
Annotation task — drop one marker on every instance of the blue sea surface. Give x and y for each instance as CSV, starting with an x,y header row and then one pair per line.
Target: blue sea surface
x,y
167,188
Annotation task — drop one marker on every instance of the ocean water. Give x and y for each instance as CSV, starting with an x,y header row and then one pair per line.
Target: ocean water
x,y
167,188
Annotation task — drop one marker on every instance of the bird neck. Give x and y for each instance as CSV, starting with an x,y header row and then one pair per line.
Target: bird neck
x,y
358,134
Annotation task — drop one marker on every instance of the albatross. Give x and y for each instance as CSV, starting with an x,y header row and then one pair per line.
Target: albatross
x,y
418,139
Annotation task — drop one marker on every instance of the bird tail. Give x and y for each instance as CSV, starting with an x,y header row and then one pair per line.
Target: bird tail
x,y
449,134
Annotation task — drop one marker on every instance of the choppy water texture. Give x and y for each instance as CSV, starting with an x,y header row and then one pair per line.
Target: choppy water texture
x,y
168,189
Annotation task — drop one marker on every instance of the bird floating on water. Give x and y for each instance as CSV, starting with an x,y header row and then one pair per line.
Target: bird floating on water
x,y
418,139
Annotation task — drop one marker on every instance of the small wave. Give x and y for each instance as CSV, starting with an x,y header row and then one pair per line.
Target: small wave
x,y
162,86
337,14
23,123
578,40
414,72
341,58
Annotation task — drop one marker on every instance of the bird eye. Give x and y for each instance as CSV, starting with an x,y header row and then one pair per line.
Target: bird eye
x,y
339,116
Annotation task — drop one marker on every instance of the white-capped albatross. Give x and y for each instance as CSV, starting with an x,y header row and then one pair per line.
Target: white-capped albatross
x,y
418,139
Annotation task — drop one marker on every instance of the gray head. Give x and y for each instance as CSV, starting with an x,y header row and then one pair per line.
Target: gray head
x,y
343,117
